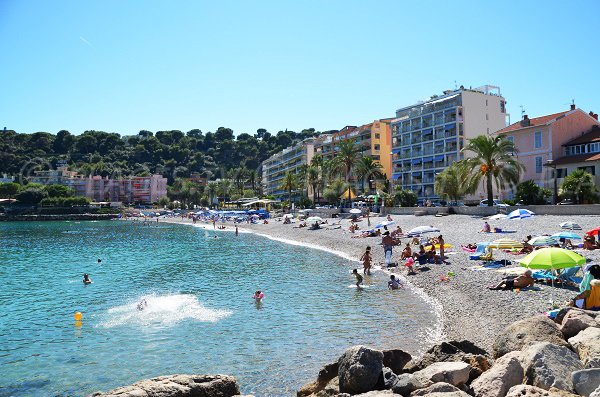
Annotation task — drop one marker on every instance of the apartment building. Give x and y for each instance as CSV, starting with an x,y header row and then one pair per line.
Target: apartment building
x,y
581,153
427,137
290,159
543,138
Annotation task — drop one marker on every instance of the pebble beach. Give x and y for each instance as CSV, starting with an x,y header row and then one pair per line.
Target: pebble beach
x,y
467,308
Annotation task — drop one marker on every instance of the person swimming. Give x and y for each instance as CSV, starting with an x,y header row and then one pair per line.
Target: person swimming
x,y
142,305
394,283
258,296
86,279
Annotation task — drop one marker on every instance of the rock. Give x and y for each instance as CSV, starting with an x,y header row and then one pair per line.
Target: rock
x,y
563,312
439,387
464,351
506,373
561,393
596,393
387,379
450,394
327,373
407,383
456,373
533,391
586,381
396,359
330,390
521,334
587,345
547,365
180,386
359,369
379,393
576,321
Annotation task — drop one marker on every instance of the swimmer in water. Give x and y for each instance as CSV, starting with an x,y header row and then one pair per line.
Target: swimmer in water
x,y
394,283
142,305
86,279
258,296
359,278
99,261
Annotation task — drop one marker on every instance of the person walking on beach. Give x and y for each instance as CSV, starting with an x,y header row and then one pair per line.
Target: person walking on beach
x,y
366,260
359,278
441,243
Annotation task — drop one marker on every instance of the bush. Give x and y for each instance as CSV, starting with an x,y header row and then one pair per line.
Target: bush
x,y
59,191
405,198
64,201
31,196
531,194
305,202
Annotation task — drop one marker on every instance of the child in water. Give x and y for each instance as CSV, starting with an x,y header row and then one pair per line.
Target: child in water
x,y
258,296
359,278
394,283
86,279
366,260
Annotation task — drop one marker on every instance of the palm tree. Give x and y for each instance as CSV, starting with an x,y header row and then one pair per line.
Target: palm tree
x,y
367,168
224,186
493,161
212,188
449,182
312,180
302,176
579,185
289,183
346,159
252,177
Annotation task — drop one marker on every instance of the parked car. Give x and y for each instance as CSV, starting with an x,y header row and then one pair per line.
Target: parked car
x,y
496,203
566,202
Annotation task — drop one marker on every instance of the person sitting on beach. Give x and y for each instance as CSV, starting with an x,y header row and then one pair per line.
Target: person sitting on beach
x,y
394,283
389,218
142,305
415,241
265,222
527,248
406,252
397,232
486,227
287,221
523,281
591,297
592,273
359,278
366,260
87,279
566,243
258,296
471,246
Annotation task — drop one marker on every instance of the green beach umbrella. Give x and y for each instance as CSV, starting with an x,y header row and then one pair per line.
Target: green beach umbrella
x,y
552,259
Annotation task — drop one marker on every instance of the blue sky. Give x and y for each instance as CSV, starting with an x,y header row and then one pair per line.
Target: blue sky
x,y
124,66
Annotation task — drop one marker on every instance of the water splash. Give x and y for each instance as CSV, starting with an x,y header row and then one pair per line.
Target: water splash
x,y
165,310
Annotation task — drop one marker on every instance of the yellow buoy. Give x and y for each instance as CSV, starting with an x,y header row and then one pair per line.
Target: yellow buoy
x,y
78,316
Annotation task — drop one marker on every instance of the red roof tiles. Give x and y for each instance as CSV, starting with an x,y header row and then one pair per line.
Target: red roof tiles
x,y
536,121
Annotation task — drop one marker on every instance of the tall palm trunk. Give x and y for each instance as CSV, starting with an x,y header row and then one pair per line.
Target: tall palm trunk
x,y
490,193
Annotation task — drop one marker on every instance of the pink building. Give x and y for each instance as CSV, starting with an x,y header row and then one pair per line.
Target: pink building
x,y
542,138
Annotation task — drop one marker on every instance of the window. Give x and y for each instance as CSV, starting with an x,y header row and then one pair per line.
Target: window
x,y
511,139
591,169
538,165
487,116
502,107
376,136
376,147
537,139
561,172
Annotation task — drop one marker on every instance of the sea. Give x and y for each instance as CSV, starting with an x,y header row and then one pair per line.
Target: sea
x,y
200,316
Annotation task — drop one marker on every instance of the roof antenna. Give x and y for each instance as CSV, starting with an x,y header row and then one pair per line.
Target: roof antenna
x,y
522,110
455,86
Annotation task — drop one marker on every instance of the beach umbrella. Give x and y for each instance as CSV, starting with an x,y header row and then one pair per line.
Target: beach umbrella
x,y
288,216
541,241
593,232
385,223
505,243
567,235
313,219
521,213
423,230
498,217
570,226
355,211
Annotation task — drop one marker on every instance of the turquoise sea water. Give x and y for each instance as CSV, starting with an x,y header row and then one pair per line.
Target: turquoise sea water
x,y
200,316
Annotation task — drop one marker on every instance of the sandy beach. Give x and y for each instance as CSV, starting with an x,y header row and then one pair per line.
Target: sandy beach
x,y
467,308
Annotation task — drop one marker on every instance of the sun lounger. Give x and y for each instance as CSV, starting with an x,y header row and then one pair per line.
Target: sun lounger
x,y
567,276
479,251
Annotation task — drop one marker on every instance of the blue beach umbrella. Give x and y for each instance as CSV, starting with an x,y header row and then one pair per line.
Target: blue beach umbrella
x,y
567,235
384,223
541,241
521,214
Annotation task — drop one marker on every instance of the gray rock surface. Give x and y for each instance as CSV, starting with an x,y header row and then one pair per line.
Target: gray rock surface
x,y
448,394
547,365
179,386
387,379
439,387
379,393
495,382
586,381
533,391
524,333
576,321
327,373
587,345
359,369
396,359
407,383
596,393
455,372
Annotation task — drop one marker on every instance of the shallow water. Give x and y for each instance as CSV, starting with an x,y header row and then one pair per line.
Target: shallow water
x,y
200,316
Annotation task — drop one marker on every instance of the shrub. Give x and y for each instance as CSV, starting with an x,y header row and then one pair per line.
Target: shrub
x,y
31,196
405,198
530,193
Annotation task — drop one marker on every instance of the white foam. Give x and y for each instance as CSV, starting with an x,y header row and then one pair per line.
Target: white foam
x,y
165,310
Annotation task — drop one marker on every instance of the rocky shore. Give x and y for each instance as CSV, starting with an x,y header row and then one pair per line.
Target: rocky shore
x,y
531,357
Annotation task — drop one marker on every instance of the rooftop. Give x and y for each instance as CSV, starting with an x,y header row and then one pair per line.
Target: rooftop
x,y
591,136
536,121
578,158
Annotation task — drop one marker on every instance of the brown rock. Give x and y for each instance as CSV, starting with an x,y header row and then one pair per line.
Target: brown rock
x,y
326,374
521,334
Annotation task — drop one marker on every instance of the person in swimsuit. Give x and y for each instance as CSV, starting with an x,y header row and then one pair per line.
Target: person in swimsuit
x,y
366,260
394,283
86,279
258,296
142,305
359,278
524,280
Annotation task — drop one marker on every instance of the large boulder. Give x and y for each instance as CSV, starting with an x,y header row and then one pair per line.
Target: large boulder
x,y
396,360
359,369
327,373
448,394
464,351
439,387
506,373
596,393
407,383
533,391
379,393
524,333
456,373
179,386
576,321
563,312
547,365
586,381
587,345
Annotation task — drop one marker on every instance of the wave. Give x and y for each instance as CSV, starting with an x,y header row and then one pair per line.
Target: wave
x,y
162,310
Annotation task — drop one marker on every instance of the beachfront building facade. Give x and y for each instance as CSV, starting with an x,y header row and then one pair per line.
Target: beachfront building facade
x,y
428,137
145,190
541,139
288,160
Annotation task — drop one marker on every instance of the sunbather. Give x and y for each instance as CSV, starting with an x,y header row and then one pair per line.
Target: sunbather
x,y
486,227
591,297
524,280
406,252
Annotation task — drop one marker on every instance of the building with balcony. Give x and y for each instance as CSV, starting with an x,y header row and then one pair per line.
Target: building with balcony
x,y
428,137
543,138
288,160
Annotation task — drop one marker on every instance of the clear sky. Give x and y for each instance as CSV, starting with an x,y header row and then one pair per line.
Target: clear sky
x,y
123,66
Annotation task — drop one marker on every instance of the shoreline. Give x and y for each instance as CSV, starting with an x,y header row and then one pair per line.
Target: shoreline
x,y
464,307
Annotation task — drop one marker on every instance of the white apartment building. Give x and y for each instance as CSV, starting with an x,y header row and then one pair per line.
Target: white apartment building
x,y
428,137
